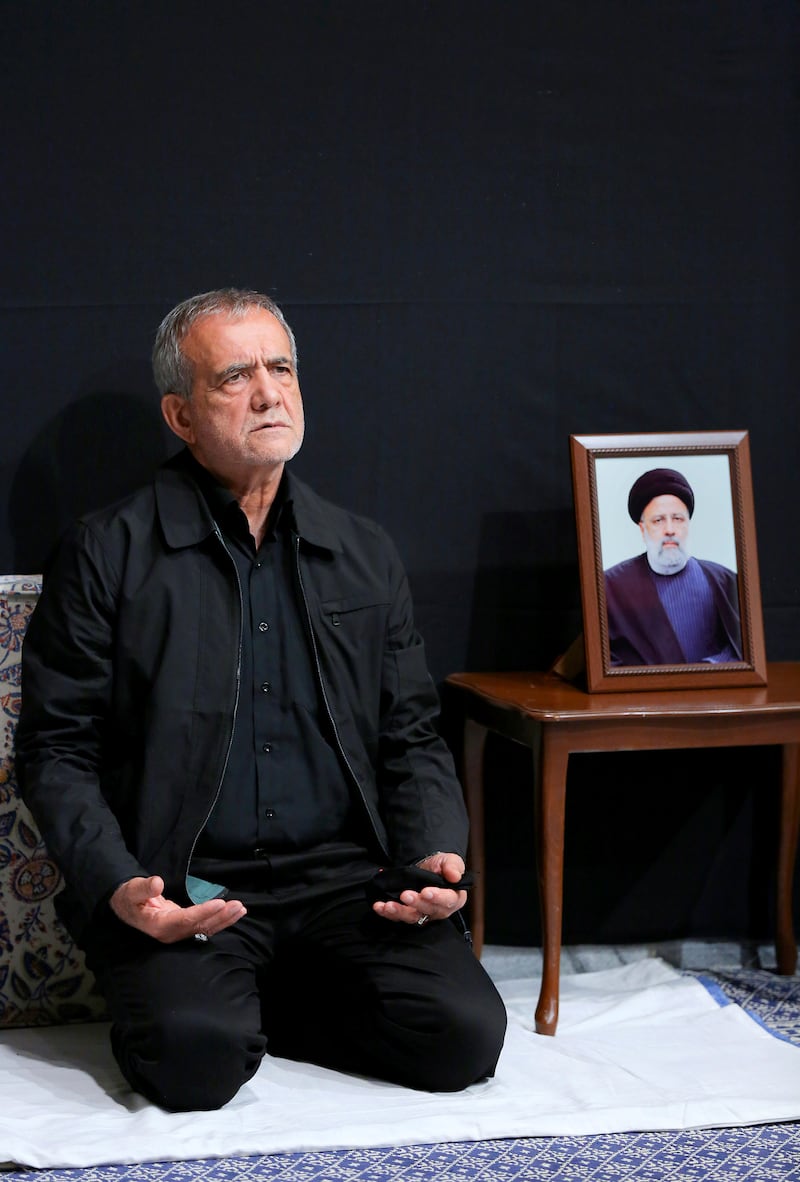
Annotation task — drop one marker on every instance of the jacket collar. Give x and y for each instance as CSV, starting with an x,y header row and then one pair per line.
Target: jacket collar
x,y
312,515
186,519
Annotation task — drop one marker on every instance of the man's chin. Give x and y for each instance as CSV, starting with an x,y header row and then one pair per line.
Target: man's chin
x,y
276,453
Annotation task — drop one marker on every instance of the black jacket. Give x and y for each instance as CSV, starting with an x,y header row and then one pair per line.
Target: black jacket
x,y
130,687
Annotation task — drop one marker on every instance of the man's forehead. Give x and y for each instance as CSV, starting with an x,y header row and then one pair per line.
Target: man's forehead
x,y
665,503
219,334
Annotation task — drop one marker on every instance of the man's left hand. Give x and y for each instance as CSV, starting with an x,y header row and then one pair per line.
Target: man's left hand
x,y
431,902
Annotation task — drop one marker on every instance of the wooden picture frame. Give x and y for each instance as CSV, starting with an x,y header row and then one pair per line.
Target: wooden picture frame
x,y
630,641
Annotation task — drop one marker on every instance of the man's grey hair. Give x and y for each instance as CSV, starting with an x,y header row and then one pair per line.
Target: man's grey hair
x,y
171,368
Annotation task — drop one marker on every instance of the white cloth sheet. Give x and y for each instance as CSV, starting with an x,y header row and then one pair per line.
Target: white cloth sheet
x,y
638,1047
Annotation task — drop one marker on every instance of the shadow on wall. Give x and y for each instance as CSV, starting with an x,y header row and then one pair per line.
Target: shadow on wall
x,y
526,607
94,451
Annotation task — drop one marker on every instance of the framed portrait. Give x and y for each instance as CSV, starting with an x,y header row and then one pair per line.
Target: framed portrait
x,y
667,558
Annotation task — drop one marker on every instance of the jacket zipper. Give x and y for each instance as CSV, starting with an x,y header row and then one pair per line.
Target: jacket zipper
x,y
458,918
326,703
236,696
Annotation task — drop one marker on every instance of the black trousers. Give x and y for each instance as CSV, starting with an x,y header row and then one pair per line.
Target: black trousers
x,y
326,981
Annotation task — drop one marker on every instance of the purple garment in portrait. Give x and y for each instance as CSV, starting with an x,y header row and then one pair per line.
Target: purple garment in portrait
x,y
639,630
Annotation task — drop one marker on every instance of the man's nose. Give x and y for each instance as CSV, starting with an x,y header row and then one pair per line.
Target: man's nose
x,y
266,390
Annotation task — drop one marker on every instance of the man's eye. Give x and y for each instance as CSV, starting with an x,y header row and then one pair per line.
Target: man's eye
x,y
232,378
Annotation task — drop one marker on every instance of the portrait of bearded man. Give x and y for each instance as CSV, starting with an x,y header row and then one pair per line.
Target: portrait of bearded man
x,y
666,607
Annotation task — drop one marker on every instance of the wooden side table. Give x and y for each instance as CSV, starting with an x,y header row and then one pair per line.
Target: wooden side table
x,y
556,719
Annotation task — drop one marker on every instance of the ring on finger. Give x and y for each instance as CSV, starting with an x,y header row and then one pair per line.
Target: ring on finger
x,y
423,919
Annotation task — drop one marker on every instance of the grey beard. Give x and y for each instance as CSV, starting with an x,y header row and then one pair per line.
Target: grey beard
x,y
670,562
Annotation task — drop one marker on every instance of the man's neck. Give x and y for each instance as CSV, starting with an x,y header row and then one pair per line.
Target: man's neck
x,y
256,504
255,491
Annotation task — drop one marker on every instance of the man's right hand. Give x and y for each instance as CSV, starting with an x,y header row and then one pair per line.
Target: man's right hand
x,y
140,902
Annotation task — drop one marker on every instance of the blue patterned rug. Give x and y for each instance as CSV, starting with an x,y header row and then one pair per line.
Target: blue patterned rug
x,y
756,1154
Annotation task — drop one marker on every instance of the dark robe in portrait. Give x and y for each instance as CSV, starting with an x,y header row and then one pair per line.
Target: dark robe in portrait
x,y
639,630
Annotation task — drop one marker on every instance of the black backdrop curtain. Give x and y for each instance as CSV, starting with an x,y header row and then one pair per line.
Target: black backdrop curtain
x,y
491,225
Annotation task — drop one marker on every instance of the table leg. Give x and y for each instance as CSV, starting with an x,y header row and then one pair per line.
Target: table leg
x,y
551,760
785,942
472,772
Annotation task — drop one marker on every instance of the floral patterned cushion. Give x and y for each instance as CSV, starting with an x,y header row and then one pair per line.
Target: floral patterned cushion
x,y
43,978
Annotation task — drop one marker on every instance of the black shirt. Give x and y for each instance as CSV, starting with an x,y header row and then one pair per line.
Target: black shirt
x,y
284,789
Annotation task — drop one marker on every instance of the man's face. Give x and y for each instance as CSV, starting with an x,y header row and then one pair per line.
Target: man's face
x,y
245,411
665,532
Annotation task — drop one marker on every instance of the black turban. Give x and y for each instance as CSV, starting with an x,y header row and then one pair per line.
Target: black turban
x,y
659,482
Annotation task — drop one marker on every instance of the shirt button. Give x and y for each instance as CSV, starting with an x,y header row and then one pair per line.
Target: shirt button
x,y
265,687
267,748
263,626
269,814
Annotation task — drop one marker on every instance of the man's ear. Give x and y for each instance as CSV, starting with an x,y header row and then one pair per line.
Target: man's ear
x,y
176,412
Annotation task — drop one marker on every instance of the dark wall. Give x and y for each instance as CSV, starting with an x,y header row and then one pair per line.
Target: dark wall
x,y
491,225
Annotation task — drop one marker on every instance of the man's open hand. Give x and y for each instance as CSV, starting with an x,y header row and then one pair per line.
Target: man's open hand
x,y
140,903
